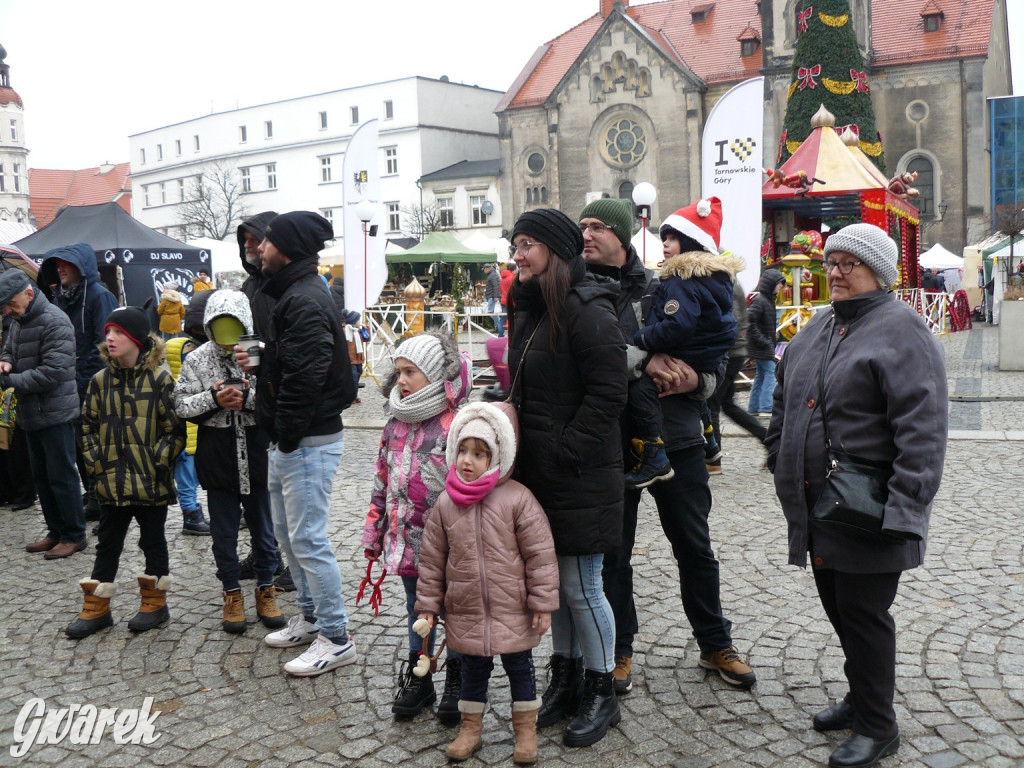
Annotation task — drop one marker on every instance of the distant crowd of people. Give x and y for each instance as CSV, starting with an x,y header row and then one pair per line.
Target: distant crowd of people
x,y
502,519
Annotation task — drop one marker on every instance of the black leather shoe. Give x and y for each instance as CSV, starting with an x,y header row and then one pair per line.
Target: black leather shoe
x,y
598,711
564,691
836,718
863,751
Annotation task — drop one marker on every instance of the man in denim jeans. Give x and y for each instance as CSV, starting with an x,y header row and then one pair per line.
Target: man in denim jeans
x,y
305,383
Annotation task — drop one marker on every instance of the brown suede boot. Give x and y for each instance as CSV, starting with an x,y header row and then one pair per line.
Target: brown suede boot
x,y
153,611
234,612
266,607
468,742
524,723
95,613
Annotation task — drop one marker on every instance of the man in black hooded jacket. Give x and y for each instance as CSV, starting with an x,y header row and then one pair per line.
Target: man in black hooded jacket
x,y
250,234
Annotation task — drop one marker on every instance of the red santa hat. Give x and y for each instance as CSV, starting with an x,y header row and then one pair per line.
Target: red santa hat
x,y
701,221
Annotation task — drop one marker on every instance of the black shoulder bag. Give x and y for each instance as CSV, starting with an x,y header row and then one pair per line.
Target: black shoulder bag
x,y
856,490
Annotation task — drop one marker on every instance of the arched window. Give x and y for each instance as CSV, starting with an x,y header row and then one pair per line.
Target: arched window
x,y
543,194
626,190
925,184
529,196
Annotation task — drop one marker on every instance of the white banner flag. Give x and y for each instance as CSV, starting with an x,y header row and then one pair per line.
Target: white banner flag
x,y
731,170
366,271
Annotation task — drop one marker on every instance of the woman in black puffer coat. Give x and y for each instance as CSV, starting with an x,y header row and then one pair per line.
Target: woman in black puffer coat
x,y
567,361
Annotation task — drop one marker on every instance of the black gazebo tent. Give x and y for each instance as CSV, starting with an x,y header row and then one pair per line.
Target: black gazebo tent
x,y
146,259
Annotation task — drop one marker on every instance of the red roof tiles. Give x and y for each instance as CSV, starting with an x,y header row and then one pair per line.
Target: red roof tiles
x,y
899,37
51,190
7,95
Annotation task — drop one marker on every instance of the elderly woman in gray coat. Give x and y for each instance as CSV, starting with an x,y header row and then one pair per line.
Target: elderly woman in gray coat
x,y
885,401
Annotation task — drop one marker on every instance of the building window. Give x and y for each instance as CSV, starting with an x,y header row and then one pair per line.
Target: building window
x,y
446,212
271,175
181,190
327,213
391,157
748,47
355,115
932,22
159,152
476,204
325,169
163,193
535,162
17,177
268,129
389,109
14,130
3,181
246,179
925,184
145,195
142,156
623,142
394,218
323,125
195,143
177,147
243,134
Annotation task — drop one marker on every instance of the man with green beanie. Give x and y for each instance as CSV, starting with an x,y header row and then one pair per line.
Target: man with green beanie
x,y
684,500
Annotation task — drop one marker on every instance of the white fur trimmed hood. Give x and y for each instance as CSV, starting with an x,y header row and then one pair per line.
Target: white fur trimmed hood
x,y
700,264
501,417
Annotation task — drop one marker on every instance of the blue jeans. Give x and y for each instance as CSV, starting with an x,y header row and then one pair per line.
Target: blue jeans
x,y
300,485
584,623
499,321
763,388
522,679
186,482
51,454
225,514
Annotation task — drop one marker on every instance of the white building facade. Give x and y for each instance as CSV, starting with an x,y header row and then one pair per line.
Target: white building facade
x,y
288,155
14,197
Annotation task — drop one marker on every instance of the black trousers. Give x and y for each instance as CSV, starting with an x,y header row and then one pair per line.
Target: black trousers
x,y
114,523
476,672
858,605
16,471
645,408
723,399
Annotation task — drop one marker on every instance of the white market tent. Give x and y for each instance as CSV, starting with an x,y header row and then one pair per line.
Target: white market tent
x,y
223,254
939,258
496,245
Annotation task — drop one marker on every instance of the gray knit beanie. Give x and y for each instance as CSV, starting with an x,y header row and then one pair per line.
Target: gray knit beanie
x,y
869,244
426,353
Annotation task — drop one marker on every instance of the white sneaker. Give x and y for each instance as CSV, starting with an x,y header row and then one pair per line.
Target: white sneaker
x,y
322,656
297,631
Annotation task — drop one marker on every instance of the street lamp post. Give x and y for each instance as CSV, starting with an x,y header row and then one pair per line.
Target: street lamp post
x,y
644,195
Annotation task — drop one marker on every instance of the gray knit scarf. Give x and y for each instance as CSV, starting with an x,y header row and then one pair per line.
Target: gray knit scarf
x,y
422,405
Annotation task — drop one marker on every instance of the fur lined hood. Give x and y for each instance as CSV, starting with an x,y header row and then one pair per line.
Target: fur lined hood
x,y
701,264
501,417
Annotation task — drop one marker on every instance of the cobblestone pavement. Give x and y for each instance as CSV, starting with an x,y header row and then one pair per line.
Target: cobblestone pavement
x,y
224,701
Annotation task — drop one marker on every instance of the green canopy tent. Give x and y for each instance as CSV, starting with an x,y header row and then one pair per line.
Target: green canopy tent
x,y
440,246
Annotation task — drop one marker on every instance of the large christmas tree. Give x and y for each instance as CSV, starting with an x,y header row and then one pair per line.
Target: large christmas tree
x,y
828,69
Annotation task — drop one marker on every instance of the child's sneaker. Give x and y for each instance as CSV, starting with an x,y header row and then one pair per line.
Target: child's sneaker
x,y
655,466
296,632
195,522
322,656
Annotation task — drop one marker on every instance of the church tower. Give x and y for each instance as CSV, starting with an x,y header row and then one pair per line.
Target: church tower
x,y
14,200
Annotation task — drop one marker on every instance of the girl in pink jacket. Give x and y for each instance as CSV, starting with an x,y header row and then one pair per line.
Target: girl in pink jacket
x,y
488,560
429,381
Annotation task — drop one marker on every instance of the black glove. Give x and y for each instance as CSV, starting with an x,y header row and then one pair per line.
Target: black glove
x,y
287,446
5,381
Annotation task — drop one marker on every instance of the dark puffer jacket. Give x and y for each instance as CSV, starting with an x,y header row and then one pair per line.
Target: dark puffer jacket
x,y
570,398
305,378
131,436
761,318
88,306
40,346
262,304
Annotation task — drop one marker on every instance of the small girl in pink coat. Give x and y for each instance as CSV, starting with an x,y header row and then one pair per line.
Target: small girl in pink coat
x,y
488,559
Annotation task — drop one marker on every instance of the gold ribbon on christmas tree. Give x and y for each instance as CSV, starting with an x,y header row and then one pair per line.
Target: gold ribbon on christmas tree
x,y
841,87
791,91
834,21
793,146
873,148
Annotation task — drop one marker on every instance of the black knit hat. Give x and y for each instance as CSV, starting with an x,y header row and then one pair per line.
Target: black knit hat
x,y
554,229
132,322
299,234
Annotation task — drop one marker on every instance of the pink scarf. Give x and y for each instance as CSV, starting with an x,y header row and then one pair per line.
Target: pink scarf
x,y
466,494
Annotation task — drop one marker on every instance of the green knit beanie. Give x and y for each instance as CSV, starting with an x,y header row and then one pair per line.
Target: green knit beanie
x,y
616,213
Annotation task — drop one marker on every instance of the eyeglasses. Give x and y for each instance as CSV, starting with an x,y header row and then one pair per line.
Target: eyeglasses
x,y
523,248
844,267
595,229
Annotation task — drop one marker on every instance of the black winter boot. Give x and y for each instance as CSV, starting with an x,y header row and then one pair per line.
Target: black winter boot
x,y
598,711
414,693
565,689
448,708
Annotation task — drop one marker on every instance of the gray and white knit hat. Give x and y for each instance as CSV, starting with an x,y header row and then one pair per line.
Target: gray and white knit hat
x,y
871,245
426,353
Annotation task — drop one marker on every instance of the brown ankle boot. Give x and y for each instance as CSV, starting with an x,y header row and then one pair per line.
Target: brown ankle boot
x,y
234,612
468,742
95,613
524,723
266,607
153,611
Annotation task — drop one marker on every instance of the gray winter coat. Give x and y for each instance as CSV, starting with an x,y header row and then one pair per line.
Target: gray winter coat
x,y
885,393
41,348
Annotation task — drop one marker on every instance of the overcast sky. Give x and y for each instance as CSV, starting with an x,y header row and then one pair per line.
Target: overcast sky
x,y
91,74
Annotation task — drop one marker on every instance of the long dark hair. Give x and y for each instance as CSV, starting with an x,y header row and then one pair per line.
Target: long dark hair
x,y
554,285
